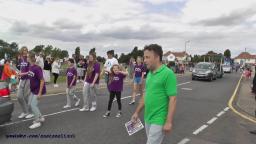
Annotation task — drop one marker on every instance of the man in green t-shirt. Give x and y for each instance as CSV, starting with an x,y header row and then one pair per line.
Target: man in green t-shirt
x,y
160,96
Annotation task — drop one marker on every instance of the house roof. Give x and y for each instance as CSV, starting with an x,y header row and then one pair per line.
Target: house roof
x,y
245,55
176,54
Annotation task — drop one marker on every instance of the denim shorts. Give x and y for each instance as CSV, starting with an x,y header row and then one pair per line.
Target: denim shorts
x,y
137,80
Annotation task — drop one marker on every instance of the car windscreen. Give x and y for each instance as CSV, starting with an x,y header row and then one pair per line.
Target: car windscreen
x,y
203,66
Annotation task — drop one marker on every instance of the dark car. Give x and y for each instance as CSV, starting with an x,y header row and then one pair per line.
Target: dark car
x,y
205,71
6,106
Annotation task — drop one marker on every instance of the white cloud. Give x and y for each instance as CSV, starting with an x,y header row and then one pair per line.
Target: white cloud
x,y
157,2
122,24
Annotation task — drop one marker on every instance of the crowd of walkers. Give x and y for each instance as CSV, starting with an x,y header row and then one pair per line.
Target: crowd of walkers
x,y
33,71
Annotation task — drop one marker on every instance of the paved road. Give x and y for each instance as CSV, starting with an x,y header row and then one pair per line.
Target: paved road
x,y
202,117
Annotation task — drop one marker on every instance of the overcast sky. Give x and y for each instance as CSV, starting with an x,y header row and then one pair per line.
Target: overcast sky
x,y
122,24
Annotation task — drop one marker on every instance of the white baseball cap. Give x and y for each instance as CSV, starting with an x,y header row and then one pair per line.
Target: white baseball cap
x,y
2,62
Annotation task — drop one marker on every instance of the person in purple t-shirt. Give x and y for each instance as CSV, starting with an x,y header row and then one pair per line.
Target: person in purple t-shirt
x,y
24,84
71,84
37,88
138,77
115,86
91,82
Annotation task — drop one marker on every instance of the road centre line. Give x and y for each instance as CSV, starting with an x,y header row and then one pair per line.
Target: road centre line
x,y
188,89
226,109
220,113
200,129
184,141
212,120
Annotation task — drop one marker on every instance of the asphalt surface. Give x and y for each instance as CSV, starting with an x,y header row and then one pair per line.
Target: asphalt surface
x,y
202,117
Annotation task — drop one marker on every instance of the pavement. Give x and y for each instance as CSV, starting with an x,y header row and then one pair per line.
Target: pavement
x,y
202,117
245,101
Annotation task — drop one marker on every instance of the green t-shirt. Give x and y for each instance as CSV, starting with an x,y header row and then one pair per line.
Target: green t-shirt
x,y
159,87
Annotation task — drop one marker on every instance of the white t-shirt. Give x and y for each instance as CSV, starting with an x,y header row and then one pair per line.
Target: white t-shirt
x,y
110,62
40,61
55,67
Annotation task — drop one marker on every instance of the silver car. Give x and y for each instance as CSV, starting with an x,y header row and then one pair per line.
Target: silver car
x,y
205,70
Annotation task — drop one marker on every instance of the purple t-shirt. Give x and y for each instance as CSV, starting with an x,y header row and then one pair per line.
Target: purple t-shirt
x,y
96,69
116,84
35,74
24,67
139,70
71,72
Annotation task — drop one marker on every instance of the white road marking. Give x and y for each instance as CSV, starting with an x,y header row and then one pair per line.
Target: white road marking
x,y
64,111
200,129
220,113
17,122
184,141
226,109
139,94
184,83
212,120
62,93
188,89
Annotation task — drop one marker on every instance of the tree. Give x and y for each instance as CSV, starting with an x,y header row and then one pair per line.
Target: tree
x,y
227,53
9,50
77,54
56,53
64,54
38,48
77,51
48,50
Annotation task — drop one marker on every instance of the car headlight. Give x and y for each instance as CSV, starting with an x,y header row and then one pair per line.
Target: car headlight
x,y
194,71
208,72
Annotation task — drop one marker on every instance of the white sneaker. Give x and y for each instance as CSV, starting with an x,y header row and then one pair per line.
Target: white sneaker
x,y
66,106
35,125
55,85
119,114
41,119
29,116
77,102
93,109
22,115
84,109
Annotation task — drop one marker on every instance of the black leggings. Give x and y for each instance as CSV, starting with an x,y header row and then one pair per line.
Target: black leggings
x,y
118,98
55,77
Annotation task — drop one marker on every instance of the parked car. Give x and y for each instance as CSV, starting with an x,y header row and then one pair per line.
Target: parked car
x,y
6,106
227,68
205,70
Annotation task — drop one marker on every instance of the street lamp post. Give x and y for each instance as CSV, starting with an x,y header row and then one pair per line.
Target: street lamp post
x,y
186,52
186,45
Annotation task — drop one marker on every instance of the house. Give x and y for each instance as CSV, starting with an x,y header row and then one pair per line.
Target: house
x,y
245,58
172,56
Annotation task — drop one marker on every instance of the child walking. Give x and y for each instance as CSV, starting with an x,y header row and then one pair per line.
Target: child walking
x,y
91,81
37,88
115,86
71,84
138,77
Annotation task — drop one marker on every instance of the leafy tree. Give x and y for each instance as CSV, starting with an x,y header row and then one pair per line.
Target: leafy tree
x,y
48,50
38,48
64,54
227,53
